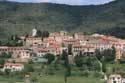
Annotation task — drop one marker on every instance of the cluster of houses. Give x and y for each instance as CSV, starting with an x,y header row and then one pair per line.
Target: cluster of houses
x,y
56,43
116,78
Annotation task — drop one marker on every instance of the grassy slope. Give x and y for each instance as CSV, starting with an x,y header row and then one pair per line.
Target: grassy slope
x,y
60,79
19,18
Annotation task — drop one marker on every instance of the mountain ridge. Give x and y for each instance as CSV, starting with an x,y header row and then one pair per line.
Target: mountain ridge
x,y
20,18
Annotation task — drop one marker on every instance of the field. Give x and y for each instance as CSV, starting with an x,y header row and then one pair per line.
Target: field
x,y
9,79
60,79
119,68
56,79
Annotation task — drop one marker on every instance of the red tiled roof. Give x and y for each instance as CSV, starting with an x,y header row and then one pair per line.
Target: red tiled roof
x,y
12,48
33,38
79,46
53,46
70,40
110,38
15,48
13,64
42,49
88,47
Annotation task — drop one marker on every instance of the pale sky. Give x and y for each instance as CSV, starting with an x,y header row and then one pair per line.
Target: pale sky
x,y
71,2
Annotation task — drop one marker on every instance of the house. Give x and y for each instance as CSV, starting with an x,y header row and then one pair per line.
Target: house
x,y
53,49
40,60
100,44
32,41
116,78
41,51
79,35
123,80
17,53
119,54
3,49
83,49
118,46
69,41
13,67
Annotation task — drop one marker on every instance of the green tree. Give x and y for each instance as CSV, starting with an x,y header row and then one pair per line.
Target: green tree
x,y
0,43
13,40
6,55
90,62
28,68
78,61
49,57
2,61
45,34
98,54
42,34
34,79
66,65
7,72
109,55
70,49
39,33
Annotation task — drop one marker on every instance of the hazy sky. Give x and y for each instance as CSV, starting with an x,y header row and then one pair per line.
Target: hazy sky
x,y
71,2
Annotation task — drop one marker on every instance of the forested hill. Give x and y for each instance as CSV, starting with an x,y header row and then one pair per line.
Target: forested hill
x,y
20,18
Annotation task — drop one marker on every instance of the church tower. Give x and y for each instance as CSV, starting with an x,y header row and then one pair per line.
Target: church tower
x,y
34,32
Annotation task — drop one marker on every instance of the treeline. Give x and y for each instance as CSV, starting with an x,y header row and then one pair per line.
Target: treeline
x,y
118,31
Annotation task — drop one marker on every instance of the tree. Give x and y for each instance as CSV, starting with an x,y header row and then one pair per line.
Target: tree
x,y
42,34
66,65
45,34
104,66
2,61
49,57
39,33
28,68
105,56
70,49
5,55
98,54
109,55
78,61
7,72
34,79
0,43
13,40
90,62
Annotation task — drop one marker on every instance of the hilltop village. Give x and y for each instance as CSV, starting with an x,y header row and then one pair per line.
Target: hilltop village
x,y
87,52
56,42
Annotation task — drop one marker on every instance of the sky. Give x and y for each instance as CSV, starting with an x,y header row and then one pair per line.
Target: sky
x,y
70,2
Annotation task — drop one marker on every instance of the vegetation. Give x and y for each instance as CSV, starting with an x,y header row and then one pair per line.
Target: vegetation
x,y
3,57
107,55
66,65
49,57
87,63
20,18
13,40
117,31
42,34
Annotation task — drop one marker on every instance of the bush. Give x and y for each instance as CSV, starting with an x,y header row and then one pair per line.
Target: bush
x,y
49,57
97,74
85,73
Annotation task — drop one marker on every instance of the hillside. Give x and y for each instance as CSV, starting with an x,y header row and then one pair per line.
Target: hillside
x,y
20,18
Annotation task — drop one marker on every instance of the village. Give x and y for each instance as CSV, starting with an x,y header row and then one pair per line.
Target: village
x,y
34,48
